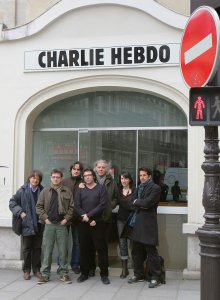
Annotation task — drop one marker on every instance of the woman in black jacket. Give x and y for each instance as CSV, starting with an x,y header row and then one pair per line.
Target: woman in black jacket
x,y
22,205
125,201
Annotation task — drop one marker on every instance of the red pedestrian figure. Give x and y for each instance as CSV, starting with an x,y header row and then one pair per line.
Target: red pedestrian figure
x,y
199,106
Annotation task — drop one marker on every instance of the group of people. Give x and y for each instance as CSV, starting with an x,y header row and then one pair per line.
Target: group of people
x,y
84,203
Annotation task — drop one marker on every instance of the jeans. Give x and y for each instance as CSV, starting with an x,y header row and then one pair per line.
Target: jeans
x,y
52,233
123,242
75,257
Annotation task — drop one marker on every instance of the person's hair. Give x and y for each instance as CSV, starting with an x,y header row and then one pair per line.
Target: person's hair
x,y
77,163
145,169
127,175
56,171
92,171
103,161
35,173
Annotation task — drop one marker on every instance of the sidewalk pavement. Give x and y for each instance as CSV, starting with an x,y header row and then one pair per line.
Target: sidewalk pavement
x,y
13,286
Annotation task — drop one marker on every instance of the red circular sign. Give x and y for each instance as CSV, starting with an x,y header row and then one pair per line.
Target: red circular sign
x,y
199,53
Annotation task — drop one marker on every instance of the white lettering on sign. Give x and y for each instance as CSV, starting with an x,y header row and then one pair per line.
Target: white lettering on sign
x,y
198,49
107,57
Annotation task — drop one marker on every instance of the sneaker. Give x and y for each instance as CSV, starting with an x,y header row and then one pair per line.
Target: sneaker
x,y
154,283
105,280
135,279
43,280
66,279
27,276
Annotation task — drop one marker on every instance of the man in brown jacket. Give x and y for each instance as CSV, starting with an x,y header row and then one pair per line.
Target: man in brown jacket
x,y
55,210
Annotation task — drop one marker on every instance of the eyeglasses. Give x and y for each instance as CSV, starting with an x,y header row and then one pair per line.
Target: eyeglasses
x,y
55,177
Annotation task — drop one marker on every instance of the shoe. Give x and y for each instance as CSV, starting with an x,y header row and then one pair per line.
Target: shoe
x,y
43,280
76,270
27,276
135,279
66,279
91,273
38,274
82,278
105,280
154,283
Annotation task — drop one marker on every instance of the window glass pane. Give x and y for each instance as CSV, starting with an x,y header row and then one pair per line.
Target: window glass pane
x,y
54,150
165,152
111,109
118,147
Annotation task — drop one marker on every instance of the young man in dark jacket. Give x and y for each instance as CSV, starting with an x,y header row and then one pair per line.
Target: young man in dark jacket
x,y
145,231
73,183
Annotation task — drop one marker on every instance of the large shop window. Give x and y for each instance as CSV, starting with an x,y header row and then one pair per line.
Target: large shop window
x,y
127,128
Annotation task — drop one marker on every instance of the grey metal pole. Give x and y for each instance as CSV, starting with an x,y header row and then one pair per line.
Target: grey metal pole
x,y
209,233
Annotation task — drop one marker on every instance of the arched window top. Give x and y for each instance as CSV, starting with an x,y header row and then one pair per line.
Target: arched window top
x,y
111,109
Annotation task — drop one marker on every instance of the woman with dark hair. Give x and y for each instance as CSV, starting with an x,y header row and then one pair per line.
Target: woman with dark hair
x,y
125,201
22,205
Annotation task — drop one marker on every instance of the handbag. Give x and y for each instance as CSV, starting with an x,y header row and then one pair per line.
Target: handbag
x,y
129,225
132,219
17,225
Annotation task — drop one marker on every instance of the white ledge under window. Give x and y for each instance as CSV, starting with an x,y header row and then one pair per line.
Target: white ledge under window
x,y
178,210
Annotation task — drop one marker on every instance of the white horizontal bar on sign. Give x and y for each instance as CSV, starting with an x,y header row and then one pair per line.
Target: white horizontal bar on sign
x,y
198,49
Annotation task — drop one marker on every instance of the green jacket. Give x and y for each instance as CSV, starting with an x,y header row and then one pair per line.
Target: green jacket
x,y
43,203
112,191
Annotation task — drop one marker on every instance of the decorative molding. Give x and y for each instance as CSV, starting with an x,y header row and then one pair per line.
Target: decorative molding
x,y
150,7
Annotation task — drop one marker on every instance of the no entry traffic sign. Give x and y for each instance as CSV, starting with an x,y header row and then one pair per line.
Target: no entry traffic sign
x,y
199,52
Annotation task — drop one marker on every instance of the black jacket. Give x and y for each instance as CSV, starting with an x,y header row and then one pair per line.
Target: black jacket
x,y
146,228
21,202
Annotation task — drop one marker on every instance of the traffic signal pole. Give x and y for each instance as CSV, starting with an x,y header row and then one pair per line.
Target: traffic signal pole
x,y
209,233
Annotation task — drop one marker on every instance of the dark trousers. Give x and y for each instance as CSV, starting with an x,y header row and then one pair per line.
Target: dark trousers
x,y
142,251
75,256
31,246
96,236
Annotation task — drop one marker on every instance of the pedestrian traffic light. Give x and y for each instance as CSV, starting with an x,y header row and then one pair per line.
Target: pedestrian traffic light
x,y
204,106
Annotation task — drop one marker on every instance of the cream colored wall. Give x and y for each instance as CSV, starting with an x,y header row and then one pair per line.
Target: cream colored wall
x,y
181,7
17,12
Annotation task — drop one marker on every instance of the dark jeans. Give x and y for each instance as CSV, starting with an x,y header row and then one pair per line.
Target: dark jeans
x,y
75,257
32,252
96,236
142,251
123,242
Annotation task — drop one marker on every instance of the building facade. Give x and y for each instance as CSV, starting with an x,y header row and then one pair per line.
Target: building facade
x,y
101,79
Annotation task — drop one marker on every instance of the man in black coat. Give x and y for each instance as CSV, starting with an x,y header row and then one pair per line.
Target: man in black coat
x,y
145,231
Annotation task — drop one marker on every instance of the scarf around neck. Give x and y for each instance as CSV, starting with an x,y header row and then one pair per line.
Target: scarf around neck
x,y
142,186
100,179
